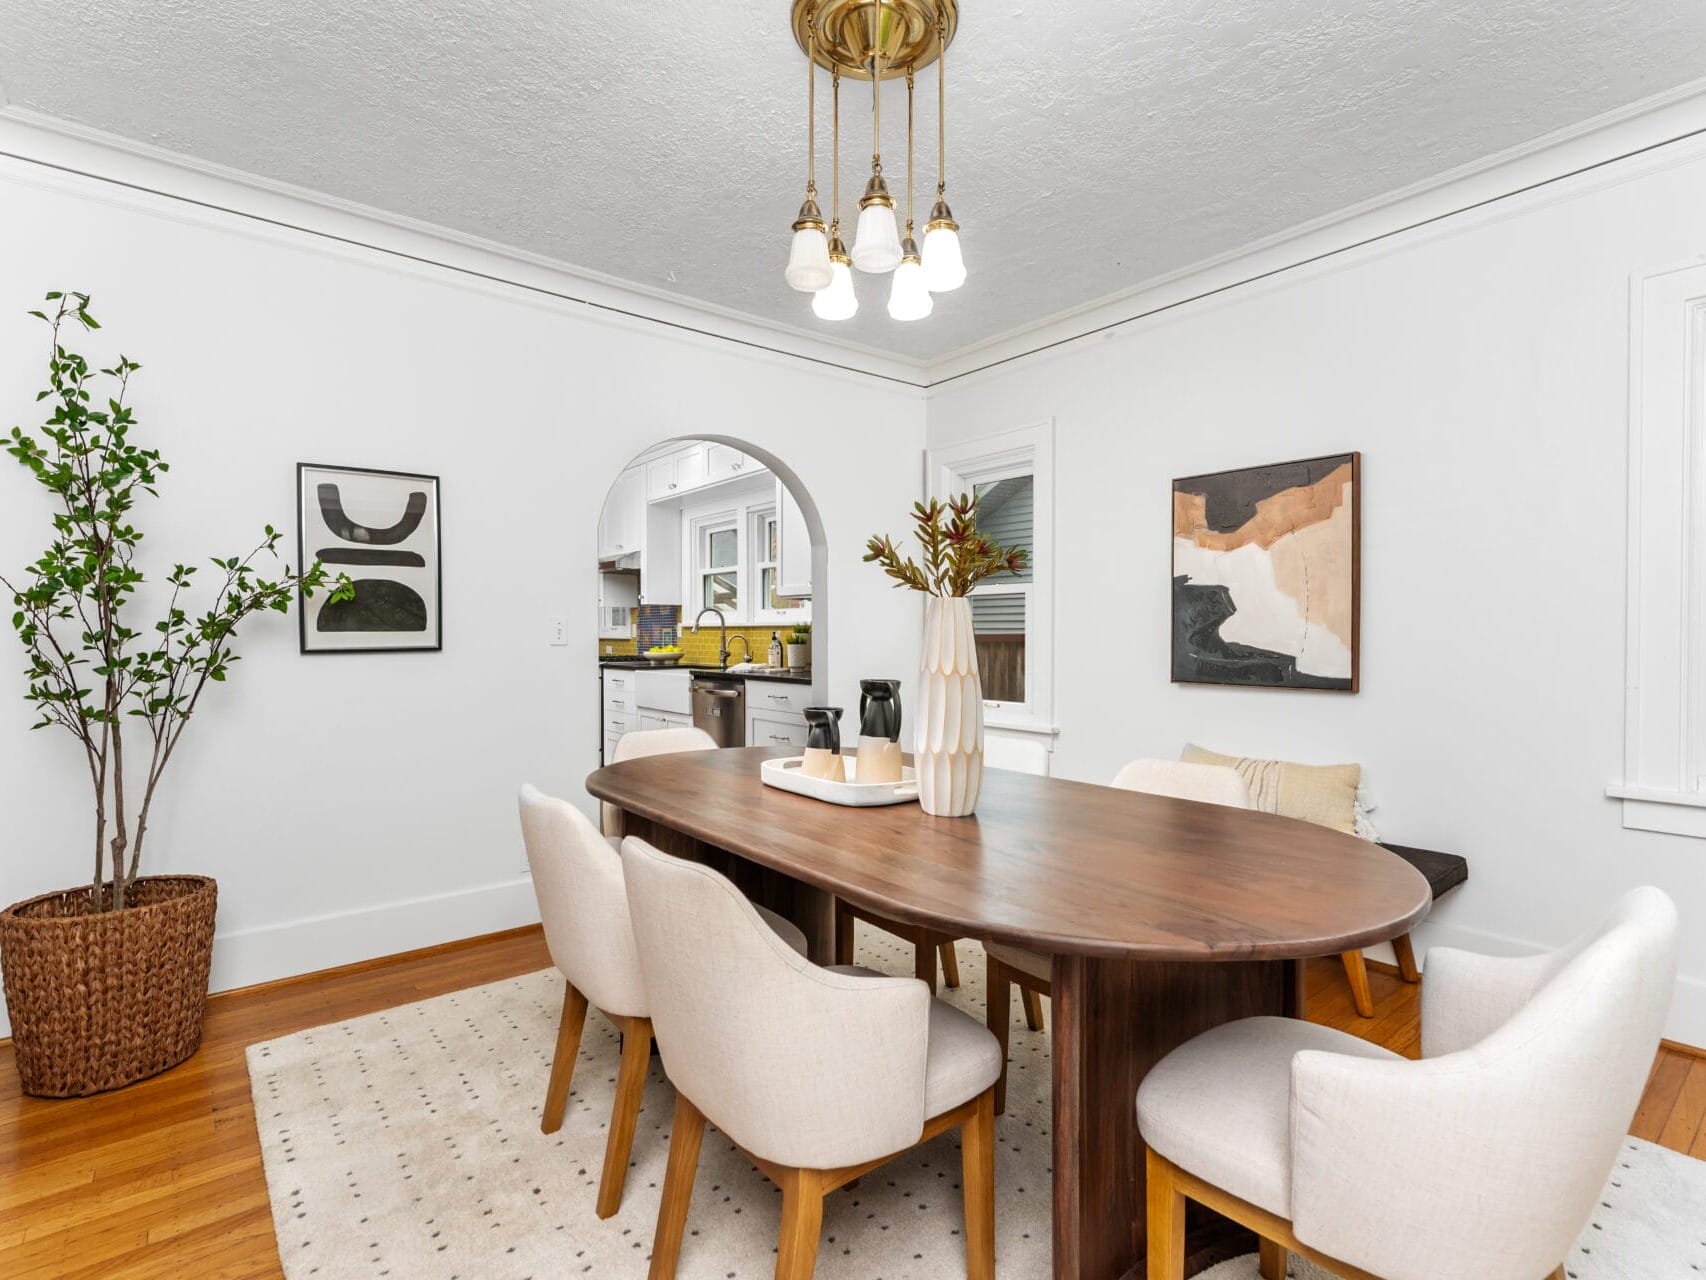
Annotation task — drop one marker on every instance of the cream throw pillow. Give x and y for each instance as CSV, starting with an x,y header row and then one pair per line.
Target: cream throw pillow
x,y
1325,794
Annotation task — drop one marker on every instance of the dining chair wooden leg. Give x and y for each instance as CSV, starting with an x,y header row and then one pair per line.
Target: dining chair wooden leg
x,y
1357,971
998,1016
630,1086
977,1181
1165,1206
563,1058
684,1138
802,1219
950,965
1271,1264
1033,1008
1559,1274
1406,958
924,964
844,937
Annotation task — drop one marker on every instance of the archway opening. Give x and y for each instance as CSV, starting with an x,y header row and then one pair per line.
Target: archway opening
x,y
713,583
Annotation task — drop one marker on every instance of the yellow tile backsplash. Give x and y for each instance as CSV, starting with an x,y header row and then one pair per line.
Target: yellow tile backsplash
x,y
701,649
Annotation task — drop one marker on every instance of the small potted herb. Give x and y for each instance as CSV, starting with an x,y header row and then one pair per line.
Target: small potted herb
x,y
799,646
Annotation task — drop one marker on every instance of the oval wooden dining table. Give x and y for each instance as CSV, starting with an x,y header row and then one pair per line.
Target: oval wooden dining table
x,y
1163,917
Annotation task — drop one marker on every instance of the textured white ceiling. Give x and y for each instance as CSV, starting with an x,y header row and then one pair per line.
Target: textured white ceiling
x,y
1093,144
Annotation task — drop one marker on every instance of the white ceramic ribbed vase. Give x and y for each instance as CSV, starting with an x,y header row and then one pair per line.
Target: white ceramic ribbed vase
x,y
949,750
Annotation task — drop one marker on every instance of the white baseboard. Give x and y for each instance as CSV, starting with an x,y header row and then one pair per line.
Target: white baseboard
x,y
1687,1023
249,956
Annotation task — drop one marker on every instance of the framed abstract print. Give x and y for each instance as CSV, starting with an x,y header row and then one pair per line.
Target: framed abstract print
x,y
382,529
1266,575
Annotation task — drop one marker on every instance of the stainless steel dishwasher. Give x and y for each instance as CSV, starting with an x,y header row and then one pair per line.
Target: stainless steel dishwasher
x,y
719,708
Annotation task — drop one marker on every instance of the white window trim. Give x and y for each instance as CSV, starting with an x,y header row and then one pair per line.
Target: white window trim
x,y
1664,748
954,469
696,523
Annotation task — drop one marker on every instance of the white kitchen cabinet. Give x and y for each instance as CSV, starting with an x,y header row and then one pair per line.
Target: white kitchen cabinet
x,y
723,463
793,547
660,575
771,731
622,523
644,699
675,474
775,713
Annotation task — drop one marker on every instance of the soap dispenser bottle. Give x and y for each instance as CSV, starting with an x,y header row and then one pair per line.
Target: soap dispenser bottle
x,y
775,650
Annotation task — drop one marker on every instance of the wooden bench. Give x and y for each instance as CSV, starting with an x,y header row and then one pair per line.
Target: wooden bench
x,y
1444,872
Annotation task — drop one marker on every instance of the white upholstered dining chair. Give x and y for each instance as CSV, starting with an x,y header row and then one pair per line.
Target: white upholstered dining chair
x,y
818,1075
1482,1161
1031,971
577,879
638,743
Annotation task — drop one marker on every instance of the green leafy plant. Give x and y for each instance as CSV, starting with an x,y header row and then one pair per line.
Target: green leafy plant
x,y
89,671
801,634
956,556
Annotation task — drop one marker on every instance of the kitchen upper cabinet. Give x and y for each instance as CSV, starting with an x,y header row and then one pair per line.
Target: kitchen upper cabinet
x,y
793,549
723,463
622,524
674,474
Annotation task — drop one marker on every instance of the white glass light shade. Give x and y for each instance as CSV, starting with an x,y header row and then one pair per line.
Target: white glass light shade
x,y
944,268
808,260
909,298
838,301
876,244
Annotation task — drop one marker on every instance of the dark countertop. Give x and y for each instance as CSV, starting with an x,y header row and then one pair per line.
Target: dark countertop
x,y
786,677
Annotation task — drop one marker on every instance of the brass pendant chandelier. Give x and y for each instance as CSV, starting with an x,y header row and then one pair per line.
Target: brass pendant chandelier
x,y
874,40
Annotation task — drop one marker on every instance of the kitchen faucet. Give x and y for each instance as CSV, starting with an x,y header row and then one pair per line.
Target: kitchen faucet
x,y
745,644
723,636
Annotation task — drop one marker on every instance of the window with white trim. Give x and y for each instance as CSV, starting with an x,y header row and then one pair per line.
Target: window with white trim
x,y
732,565
1012,614
1663,787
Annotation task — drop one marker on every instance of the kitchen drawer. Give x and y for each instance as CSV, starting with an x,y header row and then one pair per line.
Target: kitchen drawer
x,y
620,700
616,723
619,680
763,731
777,696
665,691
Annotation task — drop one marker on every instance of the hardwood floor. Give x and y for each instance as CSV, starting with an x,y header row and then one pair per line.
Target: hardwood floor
x,y
164,1179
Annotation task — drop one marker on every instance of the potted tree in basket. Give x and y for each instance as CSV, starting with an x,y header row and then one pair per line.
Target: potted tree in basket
x,y
948,755
106,983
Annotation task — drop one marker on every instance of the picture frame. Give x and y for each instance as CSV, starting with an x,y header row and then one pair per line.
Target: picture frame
x,y
1267,576
383,529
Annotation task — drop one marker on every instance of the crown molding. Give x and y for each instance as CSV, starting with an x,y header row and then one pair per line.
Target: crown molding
x,y
1573,157
75,150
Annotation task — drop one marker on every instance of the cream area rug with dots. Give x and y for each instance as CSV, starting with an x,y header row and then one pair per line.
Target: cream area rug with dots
x,y
407,1144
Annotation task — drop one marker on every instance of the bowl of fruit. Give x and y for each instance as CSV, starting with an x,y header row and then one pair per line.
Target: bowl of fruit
x,y
663,655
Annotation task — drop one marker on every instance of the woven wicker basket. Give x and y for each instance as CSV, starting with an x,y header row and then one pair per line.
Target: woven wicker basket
x,y
103,999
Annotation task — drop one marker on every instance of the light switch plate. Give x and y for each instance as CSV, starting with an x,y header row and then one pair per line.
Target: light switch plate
x,y
558,627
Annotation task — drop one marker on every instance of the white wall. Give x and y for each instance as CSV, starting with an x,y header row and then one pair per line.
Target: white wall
x,y
356,805
1481,367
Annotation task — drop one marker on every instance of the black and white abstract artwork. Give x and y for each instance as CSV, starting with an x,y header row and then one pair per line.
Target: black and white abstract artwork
x,y
381,528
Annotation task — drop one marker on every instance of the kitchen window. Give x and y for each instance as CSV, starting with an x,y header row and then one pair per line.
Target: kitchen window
x,y
733,566
719,566
1012,614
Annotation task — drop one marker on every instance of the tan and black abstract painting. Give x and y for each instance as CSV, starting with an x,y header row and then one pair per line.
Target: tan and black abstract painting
x,y
1266,575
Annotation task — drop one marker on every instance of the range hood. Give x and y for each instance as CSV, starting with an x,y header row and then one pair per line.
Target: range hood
x,y
629,563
